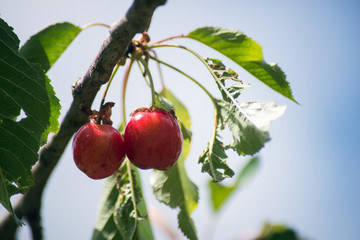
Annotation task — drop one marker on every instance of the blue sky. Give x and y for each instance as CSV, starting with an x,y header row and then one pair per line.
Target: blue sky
x,y
310,170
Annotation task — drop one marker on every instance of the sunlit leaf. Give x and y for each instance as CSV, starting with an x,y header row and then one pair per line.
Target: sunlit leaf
x,y
262,113
46,46
55,108
181,112
168,100
247,138
219,192
249,130
245,52
248,122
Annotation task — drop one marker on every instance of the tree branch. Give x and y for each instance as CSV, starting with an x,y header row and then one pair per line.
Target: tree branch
x,y
84,91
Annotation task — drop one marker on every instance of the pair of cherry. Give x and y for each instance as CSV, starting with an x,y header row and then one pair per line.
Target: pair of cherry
x,y
152,139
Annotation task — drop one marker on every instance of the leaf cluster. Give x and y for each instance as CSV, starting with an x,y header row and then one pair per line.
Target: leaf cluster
x,y
248,135
122,213
25,88
29,109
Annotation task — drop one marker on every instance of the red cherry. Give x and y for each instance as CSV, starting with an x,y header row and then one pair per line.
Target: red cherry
x,y
153,140
98,150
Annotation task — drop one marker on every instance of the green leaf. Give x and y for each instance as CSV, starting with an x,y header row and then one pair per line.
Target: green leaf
x,y
213,159
173,186
249,130
163,102
5,198
55,108
120,215
219,193
247,122
186,132
125,214
246,53
44,48
28,112
222,76
182,113
262,113
105,227
247,138
248,171
144,230
168,100
49,44
277,232
186,224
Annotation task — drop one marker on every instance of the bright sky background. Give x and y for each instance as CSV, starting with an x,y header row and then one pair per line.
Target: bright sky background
x,y
310,170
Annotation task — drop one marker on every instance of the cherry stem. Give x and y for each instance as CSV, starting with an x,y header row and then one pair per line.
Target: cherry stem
x,y
143,73
125,81
147,70
95,24
188,76
213,99
212,74
169,38
159,68
108,84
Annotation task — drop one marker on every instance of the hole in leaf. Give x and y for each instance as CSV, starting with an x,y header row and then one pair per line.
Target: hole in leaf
x,y
21,116
14,184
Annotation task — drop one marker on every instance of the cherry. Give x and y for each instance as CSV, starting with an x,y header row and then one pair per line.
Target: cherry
x,y
153,139
98,150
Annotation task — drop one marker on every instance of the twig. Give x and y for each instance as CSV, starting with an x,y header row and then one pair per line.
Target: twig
x,y
84,91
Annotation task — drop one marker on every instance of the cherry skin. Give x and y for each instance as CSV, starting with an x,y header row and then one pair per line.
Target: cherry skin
x,y
98,150
153,140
